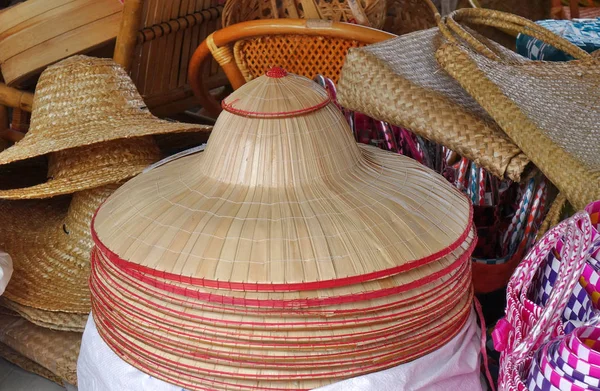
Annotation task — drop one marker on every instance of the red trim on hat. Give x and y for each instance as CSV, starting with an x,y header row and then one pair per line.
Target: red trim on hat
x,y
276,72
281,287
256,114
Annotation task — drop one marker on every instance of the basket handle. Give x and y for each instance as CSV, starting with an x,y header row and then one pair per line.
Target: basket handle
x,y
451,27
577,237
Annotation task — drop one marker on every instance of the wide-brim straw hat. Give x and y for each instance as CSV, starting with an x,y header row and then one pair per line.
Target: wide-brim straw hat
x,y
285,256
83,101
49,242
283,199
81,168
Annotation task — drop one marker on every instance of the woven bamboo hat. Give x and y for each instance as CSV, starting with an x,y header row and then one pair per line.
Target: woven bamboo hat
x,y
83,101
283,199
285,256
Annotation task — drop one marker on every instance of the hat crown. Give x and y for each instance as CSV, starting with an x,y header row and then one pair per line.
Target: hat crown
x,y
272,148
98,88
81,210
70,162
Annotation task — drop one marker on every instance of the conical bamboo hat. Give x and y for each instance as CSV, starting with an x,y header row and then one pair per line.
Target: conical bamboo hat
x,y
282,199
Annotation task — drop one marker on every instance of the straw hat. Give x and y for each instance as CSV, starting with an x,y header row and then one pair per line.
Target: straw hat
x,y
49,242
283,202
84,101
83,168
285,256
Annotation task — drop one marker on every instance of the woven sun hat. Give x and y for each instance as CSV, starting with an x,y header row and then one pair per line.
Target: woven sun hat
x,y
83,101
283,199
49,242
284,256
79,169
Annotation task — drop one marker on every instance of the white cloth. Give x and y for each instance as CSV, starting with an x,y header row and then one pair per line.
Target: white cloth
x,y
6,270
455,366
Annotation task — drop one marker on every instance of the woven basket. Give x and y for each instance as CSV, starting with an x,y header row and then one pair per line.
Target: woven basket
x,y
410,91
366,12
534,102
407,16
530,9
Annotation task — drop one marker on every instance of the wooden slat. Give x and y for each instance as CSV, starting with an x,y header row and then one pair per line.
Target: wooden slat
x,y
11,17
87,12
12,97
34,59
126,39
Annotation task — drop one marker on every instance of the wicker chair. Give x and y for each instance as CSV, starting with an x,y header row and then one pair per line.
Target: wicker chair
x,y
305,47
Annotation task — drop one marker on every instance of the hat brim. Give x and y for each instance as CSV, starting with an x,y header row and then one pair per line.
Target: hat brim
x,y
55,320
137,124
170,365
76,182
51,263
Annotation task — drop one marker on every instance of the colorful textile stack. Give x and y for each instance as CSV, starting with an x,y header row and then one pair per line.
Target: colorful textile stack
x,y
285,256
95,130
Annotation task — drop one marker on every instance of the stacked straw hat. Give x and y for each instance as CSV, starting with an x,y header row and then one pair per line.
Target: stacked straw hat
x,y
285,256
91,123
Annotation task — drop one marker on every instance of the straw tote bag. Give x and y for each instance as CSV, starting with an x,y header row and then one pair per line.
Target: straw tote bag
x,y
370,13
550,110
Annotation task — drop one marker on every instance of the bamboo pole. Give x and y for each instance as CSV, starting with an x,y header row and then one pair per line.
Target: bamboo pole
x,y
127,37
12,97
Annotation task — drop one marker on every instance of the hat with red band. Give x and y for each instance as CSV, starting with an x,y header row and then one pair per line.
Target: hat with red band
x,y
285,256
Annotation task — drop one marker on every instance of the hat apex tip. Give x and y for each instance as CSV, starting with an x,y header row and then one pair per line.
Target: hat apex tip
x,y
276,72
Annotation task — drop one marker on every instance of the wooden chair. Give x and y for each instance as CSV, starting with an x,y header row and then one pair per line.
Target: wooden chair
x,y
173,28
155,43
246,50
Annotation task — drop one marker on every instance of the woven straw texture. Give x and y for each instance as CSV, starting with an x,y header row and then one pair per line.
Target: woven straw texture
x,y
51,260
530,9
366,12
88,167
83,101
285,256
410,90
536,103
56,351
312,55
407,16
307,224
55,320
14,357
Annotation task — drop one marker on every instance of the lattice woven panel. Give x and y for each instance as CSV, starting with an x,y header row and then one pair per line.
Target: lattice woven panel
x,y
307,56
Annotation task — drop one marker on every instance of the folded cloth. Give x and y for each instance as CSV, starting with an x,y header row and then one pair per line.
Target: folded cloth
x,y
455,366
6,270
584,33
